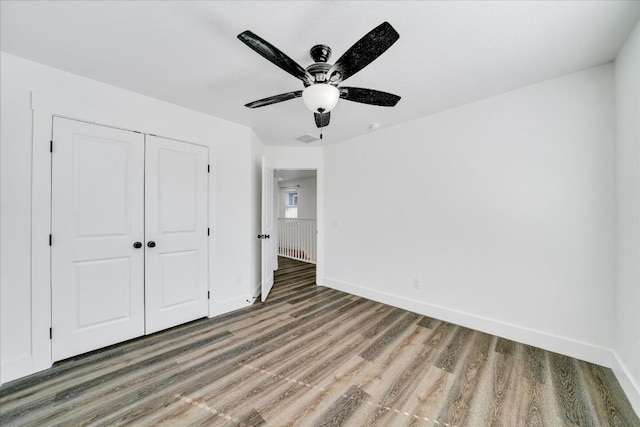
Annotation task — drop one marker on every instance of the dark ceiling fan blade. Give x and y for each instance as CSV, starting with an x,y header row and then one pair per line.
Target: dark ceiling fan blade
x,y
369,96
363,52
274,99
275,55
322,119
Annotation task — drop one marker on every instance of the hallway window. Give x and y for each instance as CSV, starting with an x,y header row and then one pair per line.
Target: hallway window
x,y
291,204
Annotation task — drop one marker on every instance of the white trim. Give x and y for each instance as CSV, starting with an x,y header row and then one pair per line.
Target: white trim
x,y
225,306
16,368
40,230
75,111
580,350
628,384
213,221
44,109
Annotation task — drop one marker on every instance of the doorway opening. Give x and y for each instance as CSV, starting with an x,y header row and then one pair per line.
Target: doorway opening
x,y
291,216
296,213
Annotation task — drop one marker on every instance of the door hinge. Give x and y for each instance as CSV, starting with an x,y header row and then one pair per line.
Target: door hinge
x,y
208,295
208,232
50,239
51,146
50,333
208,168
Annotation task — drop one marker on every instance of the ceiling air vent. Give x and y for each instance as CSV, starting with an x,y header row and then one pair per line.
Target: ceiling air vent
x,y
307,138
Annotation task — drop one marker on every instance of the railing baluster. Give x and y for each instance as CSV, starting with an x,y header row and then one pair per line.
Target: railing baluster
x,y
297,239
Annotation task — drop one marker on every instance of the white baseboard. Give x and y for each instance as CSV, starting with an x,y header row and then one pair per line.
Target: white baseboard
x,y
629,385
17,368
573,348
218,307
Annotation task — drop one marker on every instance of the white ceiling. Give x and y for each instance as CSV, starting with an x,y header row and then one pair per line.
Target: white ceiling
x,y
449,53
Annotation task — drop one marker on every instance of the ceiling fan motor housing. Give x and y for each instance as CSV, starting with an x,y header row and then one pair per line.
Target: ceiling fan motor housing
x,y
319,72
320,53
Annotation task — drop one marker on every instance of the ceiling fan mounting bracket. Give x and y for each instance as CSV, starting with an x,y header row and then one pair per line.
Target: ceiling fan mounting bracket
x,y
320,53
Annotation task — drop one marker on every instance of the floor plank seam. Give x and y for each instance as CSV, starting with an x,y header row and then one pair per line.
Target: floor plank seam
x,y
208,408
345,395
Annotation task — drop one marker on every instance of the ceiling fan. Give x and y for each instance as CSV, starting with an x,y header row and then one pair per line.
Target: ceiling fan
x,y
321,79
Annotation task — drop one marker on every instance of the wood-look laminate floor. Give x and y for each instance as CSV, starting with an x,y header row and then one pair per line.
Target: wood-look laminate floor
x,y
313,356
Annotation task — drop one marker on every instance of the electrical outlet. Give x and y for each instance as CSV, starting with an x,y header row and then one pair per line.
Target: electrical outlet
x,y
417,283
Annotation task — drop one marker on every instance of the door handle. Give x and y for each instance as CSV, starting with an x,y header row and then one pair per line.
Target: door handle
x,y
263,236
137,245
151,244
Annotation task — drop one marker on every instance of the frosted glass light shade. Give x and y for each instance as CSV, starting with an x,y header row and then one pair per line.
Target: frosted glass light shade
x,y
320,97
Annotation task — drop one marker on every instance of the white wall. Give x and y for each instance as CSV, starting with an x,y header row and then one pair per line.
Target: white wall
x,y
627,292
503,208
230,212
307,196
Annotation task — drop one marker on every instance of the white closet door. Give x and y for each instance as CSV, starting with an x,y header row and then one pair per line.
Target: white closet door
x,y
97,215
176,233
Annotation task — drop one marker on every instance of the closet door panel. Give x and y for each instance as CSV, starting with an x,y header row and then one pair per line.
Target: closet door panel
x,y
176,262
97,214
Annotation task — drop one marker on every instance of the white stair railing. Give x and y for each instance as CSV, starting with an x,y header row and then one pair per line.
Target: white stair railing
x,y
297,239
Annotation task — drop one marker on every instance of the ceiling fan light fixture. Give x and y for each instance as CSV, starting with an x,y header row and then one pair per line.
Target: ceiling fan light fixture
x,y
320,97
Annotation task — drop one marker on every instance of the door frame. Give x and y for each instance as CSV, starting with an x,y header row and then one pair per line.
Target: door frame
x,y
294,158
44,109
268,227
